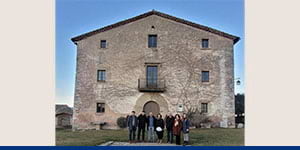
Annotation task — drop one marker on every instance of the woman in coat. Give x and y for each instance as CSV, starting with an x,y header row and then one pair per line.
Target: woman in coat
x,y
185,129
177,128
159,126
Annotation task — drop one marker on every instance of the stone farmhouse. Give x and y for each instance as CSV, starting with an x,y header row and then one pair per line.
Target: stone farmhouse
x,y
153,62
63,116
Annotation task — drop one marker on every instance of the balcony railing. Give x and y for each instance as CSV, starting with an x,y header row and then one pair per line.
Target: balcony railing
x,y
151,85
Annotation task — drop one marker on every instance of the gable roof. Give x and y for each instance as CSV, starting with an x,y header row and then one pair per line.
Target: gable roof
x,y
153,12
59,109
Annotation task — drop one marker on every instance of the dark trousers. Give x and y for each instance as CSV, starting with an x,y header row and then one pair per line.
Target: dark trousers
x,y
177,139
142,129
132,134
170,136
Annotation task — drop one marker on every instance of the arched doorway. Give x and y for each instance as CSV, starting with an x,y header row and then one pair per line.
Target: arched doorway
x,y
151,106
145,98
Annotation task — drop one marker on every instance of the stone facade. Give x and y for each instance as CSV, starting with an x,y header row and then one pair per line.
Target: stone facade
x,y
63,116
180,60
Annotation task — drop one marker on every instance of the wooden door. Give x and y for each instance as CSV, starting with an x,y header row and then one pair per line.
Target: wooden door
x,y
151,107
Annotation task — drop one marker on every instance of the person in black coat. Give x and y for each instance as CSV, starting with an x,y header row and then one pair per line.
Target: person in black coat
x,y
142,120
169,126
159,126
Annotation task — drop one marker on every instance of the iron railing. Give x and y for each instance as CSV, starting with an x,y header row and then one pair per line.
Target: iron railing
x,y
151,85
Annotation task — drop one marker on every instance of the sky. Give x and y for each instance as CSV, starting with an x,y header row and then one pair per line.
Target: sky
x,y
75,17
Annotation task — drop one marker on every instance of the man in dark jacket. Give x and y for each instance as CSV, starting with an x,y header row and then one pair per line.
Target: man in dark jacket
x,y
142,120
169,126
132,125
151,120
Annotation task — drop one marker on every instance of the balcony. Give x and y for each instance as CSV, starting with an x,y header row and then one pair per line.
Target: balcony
x,y
151,85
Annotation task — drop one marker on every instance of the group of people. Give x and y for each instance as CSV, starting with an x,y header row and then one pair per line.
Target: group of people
x,y
174,125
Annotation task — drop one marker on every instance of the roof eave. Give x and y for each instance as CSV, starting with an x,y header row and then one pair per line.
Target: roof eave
x,y
236,40
153,12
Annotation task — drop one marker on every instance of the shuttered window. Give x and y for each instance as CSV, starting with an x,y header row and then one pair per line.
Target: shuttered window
x,y
152,41
103,44
205,76
101,75
204,108
205,43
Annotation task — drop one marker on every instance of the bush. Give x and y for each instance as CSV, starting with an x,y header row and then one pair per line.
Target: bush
x,y
197,118
121,122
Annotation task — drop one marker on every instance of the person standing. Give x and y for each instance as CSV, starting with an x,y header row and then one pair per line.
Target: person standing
x,y
177,128
185,129
142,120
169,126
132,125
159,126
150,127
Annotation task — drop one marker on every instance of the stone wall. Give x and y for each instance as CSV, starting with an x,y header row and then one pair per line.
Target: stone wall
x,y
181,60
63,120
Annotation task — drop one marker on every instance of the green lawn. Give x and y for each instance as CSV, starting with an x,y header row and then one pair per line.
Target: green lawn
x,y
198,137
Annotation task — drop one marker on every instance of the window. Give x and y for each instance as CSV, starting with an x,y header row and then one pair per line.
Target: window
x,y
205,43
100,107
204,108
103,44
152,41
205,76
152,73
101,75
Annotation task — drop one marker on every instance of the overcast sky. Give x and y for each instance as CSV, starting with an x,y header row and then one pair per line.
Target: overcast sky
x,y
75,17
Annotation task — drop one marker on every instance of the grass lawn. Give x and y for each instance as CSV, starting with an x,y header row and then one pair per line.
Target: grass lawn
x,y
198,137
